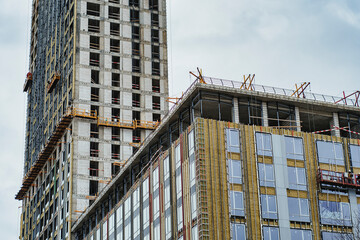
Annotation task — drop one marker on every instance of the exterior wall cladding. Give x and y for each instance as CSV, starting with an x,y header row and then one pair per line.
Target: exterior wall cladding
x,y
98,88
228,178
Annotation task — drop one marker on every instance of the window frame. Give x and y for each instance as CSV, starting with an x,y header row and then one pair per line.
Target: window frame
x,y
299,217
297,185
294,155
265,213
263,178
261,150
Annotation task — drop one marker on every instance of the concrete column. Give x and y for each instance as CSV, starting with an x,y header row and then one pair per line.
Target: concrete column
x,y
236,110
264,110
335,121
297,119
354,213
281,180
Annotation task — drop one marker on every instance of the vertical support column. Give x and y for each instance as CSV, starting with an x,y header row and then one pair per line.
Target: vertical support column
x,y
281,181
236,110
264,110
354,212
335,121
297,119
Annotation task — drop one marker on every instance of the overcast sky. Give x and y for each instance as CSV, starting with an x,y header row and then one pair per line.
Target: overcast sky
x,y
283,42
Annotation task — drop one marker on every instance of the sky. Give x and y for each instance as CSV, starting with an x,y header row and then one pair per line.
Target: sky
x,y
283,42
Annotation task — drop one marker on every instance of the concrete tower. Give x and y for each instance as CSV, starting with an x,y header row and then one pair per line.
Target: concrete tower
x,y
97,86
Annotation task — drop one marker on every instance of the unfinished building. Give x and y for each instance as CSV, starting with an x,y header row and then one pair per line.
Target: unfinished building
x,y
96,87
237,162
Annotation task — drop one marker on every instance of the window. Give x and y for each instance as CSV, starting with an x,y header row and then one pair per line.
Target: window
x,y
156,196
299,234
93,25
156,103
330,152
298,209
238,231
167,200
237,203
178,178
335,213
271,233
233,139
294,148
93,9
297,178
268,206
155,68
119,223
266,175
263,144
136,213
355,155
127,216
336,236
235,171
146,209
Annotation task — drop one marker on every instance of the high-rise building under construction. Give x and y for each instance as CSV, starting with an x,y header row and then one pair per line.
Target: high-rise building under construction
x,y
235,160
97,86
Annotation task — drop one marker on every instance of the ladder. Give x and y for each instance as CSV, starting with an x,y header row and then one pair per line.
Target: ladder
x,y
202,200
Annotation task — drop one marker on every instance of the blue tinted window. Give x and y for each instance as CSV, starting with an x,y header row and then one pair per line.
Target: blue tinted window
x,y
336,236
294,148
268,206
297,178
238,231
299,234
237,203
330,152
355,155
299,209
271,233
266,175
235,175
233,140
335,213
263,144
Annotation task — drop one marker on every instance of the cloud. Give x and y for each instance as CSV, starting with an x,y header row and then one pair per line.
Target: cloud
x,y
342,10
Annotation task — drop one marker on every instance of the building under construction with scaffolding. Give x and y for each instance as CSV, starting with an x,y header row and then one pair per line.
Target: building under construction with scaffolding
x,y
234,160
96,87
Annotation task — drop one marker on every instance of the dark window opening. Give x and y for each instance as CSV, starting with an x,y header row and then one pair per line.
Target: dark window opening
x,y
136,136
95,77
155,35
114,12
94,130
94,169
135,82
115,62
156,85
136,115
312,122
94,59
353,124
155,19
114,45
115,80
156,103
250,112
93,188
135,49
94,149
95,109
114,169
134,16
135,100
156,117
115,114
134,3
280,115
93,9
115,29
156,68
155,52
115,97
115,152
94,26
115,134
94,94
136,65
94,42
154,5
135,32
